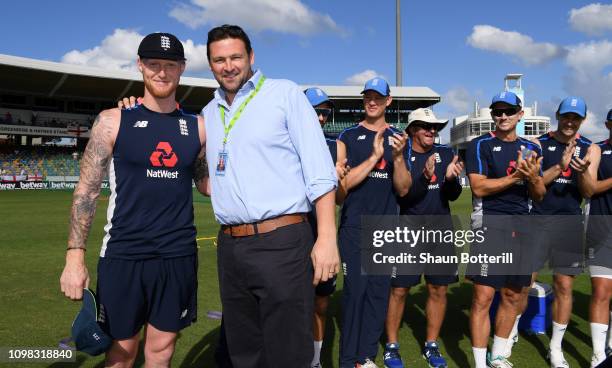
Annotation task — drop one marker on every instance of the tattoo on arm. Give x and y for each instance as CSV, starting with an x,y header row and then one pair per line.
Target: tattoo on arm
x,y
200,168
93,169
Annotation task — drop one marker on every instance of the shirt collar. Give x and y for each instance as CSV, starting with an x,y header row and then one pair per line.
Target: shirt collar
x,y
246,89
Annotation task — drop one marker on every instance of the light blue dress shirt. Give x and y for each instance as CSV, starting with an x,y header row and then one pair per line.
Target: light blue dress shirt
x,y
277,160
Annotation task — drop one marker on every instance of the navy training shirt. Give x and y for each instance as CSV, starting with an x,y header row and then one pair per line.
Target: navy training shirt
x,y
150,210
430,197
490,156
375,195
562,195
601,204
333,148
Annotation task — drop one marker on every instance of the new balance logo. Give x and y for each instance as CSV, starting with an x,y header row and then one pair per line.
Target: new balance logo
x,y
361,137
141,124
184,314
608,152
577,152
438,159
183,127
497,149
552,148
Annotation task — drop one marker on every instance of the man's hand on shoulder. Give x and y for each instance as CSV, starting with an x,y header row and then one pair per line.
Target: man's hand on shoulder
x,y
129,102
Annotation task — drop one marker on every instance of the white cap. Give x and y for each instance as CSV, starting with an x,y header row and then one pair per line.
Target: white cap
x,y
426,116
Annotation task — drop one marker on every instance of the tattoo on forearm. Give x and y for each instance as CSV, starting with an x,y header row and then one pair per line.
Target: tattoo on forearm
x,y
200,169
93,169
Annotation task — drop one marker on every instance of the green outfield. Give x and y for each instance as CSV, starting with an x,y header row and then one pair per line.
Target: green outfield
x,y
33,312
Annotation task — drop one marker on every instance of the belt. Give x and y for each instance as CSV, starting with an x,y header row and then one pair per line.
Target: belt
x,y
264,226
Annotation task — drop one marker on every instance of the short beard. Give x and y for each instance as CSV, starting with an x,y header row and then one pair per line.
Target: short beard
x,y
156,93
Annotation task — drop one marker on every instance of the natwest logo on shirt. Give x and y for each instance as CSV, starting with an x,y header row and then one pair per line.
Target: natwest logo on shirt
x,y
163,156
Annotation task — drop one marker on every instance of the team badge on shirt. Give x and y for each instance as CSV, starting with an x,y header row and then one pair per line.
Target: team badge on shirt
x,y
183,127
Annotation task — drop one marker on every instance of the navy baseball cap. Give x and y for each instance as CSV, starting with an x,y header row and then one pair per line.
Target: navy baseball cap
x,y
161,46
507,97
86,332
377,84
573,104
316,96
609,115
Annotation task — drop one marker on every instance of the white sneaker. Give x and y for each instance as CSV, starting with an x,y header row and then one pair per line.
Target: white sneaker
x,y
557,360
498,362
369,364
597,359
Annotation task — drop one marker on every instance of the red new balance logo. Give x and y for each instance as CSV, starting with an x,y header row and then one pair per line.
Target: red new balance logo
x,y
163,156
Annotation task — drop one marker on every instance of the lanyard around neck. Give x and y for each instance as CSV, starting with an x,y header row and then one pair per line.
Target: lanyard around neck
x,y
227,128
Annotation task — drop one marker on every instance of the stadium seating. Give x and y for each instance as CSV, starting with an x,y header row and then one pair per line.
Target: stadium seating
x,y
43,118
39,161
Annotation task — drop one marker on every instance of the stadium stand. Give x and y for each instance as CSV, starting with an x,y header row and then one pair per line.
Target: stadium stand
x,y
38,163
44,118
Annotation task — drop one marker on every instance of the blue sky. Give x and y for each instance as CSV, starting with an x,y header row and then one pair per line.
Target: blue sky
x,y
460,49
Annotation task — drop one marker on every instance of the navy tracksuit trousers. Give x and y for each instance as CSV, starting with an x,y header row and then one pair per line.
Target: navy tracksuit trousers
x,y
364,303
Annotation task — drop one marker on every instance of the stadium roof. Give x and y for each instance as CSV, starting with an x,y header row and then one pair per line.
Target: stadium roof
x,y
34,77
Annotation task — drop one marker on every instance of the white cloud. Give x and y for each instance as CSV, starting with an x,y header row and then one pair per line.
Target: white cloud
x,y
458,100
515,44
360,78
591,58
593,19
588,78
455,102
594,128
287,16
118,51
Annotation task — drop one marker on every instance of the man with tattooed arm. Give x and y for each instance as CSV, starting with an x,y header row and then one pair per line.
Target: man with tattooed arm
x,y
147,270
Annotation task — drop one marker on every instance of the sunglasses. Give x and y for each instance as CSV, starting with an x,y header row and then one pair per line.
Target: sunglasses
x,y
323,112
427,126
499,112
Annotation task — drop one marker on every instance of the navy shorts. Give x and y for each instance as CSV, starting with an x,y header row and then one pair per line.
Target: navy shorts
x,y
439,274
599,241
500,238
557,242
326,288
158,291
